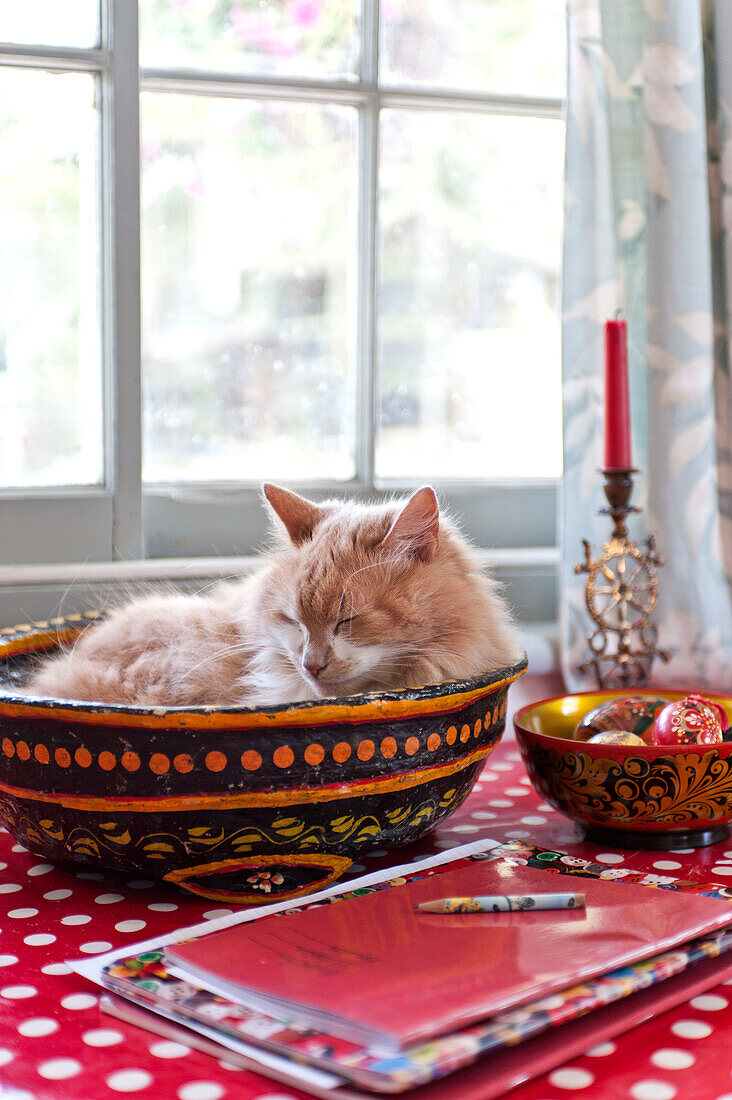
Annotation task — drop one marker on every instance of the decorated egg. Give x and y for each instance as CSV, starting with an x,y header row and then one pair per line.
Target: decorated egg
x,y
690,721
633,713
616,737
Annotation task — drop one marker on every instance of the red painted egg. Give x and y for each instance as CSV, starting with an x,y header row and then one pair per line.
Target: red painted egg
x,y
690,721
633,713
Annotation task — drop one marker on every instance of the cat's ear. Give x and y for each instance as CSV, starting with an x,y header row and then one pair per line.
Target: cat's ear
x,y
416,529
300,516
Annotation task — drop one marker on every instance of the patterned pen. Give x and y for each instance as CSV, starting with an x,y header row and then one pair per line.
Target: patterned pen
x,y
500,903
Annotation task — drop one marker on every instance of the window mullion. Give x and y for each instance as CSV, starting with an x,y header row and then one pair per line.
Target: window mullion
x,y
368,187
121,190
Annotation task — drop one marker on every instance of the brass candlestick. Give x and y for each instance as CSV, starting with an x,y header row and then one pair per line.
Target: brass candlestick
x,y
620,594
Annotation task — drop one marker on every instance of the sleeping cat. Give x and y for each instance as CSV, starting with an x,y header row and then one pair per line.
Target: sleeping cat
x,y
354,598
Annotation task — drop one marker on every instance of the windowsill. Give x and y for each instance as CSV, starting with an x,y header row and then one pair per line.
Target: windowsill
x,y
182,569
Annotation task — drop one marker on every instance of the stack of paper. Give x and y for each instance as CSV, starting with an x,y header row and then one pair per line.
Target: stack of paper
x,y
366,991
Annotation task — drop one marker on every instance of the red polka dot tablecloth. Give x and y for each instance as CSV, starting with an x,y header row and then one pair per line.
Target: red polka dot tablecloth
x,y
55,1042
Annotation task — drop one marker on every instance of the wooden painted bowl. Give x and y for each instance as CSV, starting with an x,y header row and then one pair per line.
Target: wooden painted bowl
x,y
645,796
235,804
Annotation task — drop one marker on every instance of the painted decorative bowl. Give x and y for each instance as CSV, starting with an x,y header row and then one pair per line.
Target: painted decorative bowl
x,y
645,796
235,804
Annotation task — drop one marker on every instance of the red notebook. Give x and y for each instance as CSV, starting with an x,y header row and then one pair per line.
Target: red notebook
x,y
375,971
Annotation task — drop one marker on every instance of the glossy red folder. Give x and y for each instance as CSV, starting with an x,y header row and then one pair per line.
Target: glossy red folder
x,y
374,970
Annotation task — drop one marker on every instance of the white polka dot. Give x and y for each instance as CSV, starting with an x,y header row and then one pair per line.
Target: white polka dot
x,y
214,914
56,968
709,1002
571,1078
41,1025
446,843
57,895
40,939
667,865
57,1069
465,828
22,914
76,1001
376,853
484,815
355,868
501,766
169,1050
609,857
10,887
500,802
681,851
163,907
536,820
691,1029
601,1050
728,855
516,792
3,866
717,870
95,947
102,1037
18,848
141,884
40,869
545,807
652,1090
18,992
238,1069
76,918
6,1056
108,899
130,925
670,1058
201,1090
489,777
8,960
129,1080
517,834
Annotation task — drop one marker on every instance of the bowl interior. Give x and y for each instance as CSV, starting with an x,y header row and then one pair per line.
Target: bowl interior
x,y
558,716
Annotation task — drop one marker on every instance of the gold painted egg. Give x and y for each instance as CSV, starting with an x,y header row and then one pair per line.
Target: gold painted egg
x,y
616,737
632,713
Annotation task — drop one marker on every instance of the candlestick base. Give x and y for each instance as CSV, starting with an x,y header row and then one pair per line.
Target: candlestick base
x,y
620,594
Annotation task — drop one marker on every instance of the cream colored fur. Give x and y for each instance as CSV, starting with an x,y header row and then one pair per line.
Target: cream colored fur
x,y
353,598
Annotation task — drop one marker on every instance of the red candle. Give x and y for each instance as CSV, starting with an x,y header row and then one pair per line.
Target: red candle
x,y
617,404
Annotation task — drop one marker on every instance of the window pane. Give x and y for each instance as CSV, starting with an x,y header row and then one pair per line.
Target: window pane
x,y
50,22
284,37
50,373
470,227
248,280
503,46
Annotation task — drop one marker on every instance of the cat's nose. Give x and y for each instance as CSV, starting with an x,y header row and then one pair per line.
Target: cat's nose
x,y
314,665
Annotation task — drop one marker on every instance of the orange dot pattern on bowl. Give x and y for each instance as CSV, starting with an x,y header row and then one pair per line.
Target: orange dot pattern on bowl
x,y
283,756
215,761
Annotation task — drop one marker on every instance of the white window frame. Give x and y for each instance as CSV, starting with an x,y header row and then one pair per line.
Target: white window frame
x,y
122,520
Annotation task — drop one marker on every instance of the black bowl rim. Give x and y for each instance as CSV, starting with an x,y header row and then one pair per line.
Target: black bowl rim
x,y
39,706
597,749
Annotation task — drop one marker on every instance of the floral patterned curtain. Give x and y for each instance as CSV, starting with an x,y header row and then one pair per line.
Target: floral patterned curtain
x,y
648,209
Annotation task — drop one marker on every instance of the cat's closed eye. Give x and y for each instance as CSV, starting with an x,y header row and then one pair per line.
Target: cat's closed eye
x,y
342,623
286,619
